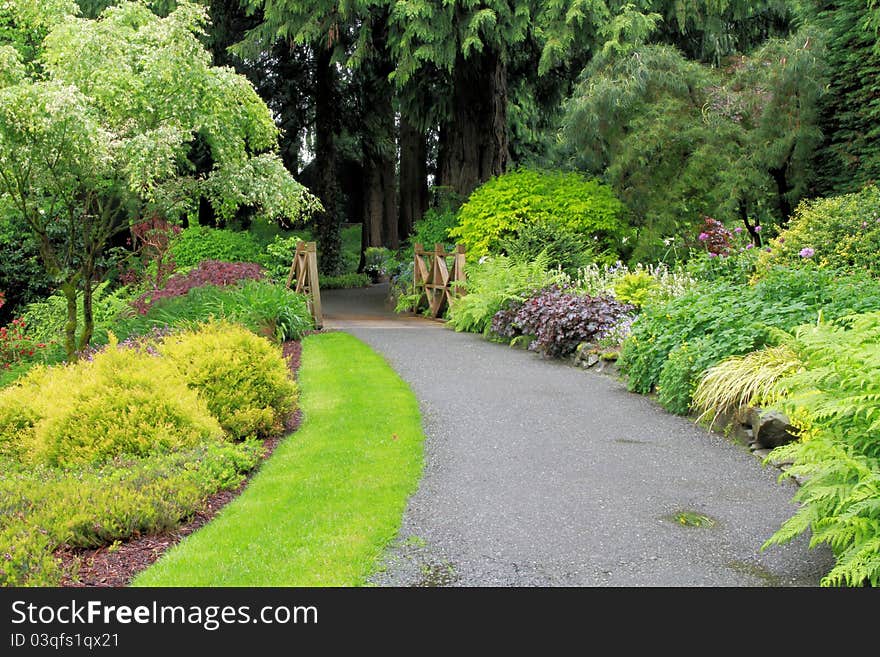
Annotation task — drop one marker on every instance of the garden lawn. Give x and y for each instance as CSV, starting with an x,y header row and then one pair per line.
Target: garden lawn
x,y
321,511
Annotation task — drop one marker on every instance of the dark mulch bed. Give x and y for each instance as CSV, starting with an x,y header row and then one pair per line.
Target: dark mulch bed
x,y
117,566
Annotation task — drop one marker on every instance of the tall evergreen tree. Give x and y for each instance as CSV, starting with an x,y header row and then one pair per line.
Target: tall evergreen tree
x,y
850,154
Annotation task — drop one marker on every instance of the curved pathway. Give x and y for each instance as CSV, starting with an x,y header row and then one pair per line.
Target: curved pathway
x,y
541,474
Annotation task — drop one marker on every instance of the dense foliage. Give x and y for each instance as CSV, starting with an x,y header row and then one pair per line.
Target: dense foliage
x,y
197,243
502,207
131,440
559,320
675,342
209,272
832,399
837,232
493,283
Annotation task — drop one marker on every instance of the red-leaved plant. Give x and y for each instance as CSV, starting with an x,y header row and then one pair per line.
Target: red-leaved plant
x,y
209,272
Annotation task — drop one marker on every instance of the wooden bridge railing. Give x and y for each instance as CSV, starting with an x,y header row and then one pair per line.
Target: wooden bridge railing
x,y
304,270
432,281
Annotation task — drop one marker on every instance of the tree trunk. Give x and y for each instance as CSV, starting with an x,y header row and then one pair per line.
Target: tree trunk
x,y
326,110
88,314
782,189
379,142
413,177
476,147
68,288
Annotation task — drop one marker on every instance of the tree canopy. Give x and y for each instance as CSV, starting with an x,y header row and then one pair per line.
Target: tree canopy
x,y
102,138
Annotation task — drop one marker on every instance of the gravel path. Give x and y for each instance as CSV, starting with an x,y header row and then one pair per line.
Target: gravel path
x,y
541,474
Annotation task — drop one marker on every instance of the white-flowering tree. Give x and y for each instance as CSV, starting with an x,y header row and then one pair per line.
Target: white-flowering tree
x,y
97,128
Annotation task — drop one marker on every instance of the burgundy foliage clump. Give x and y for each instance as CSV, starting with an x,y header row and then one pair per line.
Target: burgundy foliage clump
x,y
209,272
715,237
560,320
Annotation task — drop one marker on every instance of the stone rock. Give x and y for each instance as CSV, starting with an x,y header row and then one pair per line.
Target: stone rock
x,y
771,428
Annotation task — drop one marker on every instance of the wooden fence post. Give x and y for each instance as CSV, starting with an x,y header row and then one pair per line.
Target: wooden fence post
x,y
304,269
431,278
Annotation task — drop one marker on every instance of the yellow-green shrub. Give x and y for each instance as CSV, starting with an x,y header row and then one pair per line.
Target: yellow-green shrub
x,y
242,377
42,508
121,402
837,232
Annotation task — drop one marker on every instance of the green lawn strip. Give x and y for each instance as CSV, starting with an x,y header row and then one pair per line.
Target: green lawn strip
x,y
322,509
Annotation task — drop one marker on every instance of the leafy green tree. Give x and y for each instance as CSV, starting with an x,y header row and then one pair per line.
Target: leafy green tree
x,y
678,139
104,137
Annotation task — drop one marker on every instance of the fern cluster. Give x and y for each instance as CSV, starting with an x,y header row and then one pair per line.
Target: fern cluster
x,y
492,283
833,400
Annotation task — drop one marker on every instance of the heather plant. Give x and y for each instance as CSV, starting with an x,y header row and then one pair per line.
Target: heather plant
x,y
208,272
560,320
499,209
493,282
242,377
45,509
121,402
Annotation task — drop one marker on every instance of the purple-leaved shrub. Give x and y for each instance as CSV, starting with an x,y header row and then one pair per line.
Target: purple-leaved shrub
x,y
560,320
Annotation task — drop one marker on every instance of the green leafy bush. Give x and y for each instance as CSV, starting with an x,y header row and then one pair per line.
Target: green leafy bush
x,y
242,378
673,343
434,228
45,319
278,255
344,281
832,400
500,207
565,250
493,282
122,402
198,243
838,232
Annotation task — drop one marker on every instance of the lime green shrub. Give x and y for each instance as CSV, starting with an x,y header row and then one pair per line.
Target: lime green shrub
x,y
637,288
241,377
197,243
43,508
502,206
838,232
122,402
